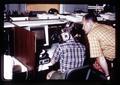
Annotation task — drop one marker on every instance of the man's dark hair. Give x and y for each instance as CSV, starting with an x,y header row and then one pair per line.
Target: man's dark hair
x,y
77,30
53,11
91,16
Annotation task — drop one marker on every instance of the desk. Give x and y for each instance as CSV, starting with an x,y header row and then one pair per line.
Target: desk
x,y
44,23
34,23
38,23
44,69
50,52
8,24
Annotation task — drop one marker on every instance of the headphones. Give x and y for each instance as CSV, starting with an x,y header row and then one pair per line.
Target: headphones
x,y
66,31
65,36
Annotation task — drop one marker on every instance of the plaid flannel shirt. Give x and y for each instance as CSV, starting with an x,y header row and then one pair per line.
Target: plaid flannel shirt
x,y
70,55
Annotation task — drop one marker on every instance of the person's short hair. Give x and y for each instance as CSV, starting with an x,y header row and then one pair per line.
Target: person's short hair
x,y
91,16
53,11
75,29
78,33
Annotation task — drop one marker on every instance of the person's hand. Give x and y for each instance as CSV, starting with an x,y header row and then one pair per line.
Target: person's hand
x,y
108,77
98,67
49,75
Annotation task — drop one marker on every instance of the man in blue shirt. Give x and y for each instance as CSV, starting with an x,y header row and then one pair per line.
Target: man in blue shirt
x,y
70,54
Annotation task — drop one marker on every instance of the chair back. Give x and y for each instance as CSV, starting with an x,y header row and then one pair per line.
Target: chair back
x,y
84,73
77,73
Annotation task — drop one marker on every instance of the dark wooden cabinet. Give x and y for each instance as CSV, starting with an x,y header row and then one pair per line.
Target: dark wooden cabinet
x,y
21,45
24,47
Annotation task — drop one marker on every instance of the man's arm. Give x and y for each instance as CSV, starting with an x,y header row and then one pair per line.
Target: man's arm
x,y
96,52
56,55
52,61
102,62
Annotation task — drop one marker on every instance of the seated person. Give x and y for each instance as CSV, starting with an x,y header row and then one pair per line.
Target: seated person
x,y
70,54
53,11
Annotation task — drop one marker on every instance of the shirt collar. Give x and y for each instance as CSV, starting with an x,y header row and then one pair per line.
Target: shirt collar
x,y
94,25
70,40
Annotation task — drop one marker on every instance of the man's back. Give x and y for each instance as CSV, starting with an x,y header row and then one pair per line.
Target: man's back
x,y
71,55
105,36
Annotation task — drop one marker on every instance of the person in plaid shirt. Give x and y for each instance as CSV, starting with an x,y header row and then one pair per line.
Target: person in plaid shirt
x,y
101,39
70,54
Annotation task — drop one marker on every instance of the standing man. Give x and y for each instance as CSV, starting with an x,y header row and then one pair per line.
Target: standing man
x,y
101,39
70,54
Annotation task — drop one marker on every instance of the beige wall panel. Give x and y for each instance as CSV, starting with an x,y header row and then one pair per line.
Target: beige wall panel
x,y
42,7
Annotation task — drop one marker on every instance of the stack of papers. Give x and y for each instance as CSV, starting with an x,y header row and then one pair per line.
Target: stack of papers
x,y
74,19
108,16
19,18
62,16
47,16
100,18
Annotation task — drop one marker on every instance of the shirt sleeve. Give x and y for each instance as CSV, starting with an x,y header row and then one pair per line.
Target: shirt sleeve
x,y
95,49
56,55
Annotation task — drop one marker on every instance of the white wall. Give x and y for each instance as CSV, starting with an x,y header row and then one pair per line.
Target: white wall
x,y
63,7
71,7
15,7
